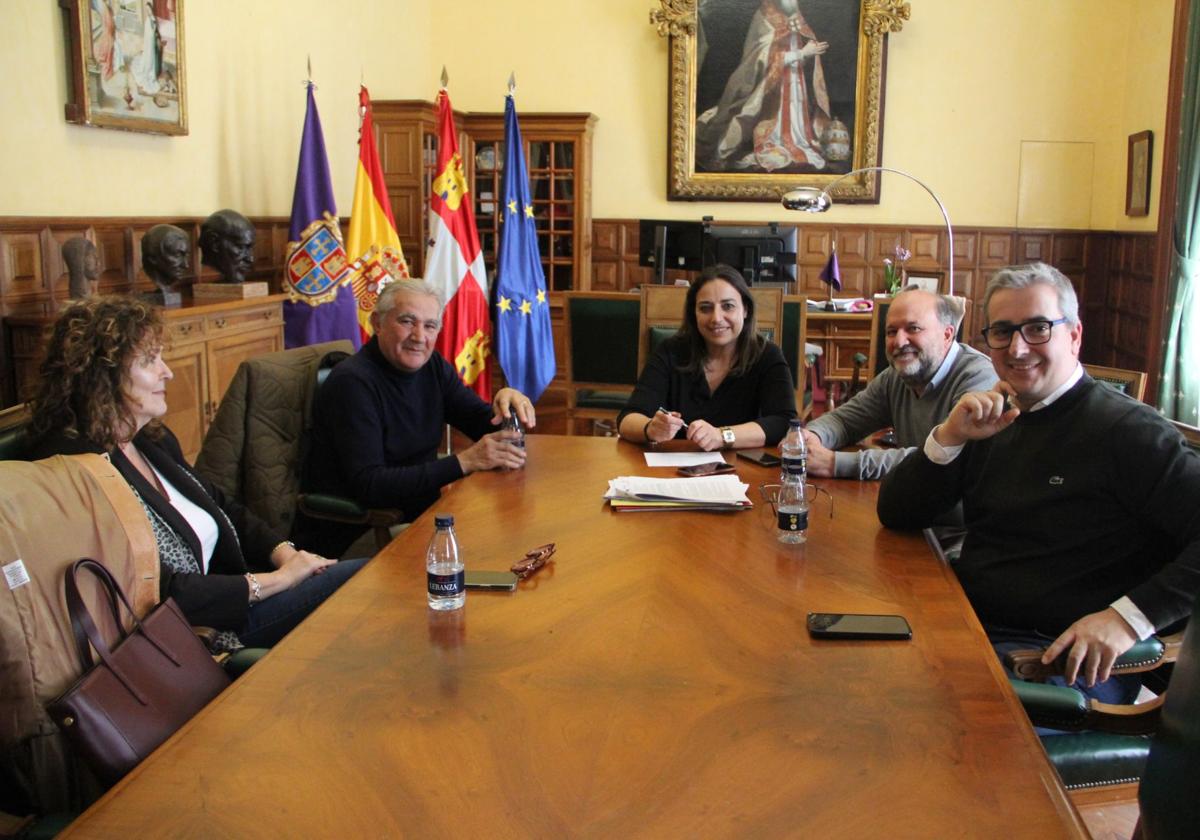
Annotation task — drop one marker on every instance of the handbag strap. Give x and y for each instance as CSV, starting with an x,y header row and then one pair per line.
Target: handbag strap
x,y
83,625
81,618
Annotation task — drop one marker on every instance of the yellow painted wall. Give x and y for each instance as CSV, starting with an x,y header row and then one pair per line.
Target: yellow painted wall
x,y
972,87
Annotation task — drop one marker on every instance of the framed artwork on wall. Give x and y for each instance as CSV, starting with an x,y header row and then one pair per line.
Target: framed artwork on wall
x,y
126,65
769,95
1137,176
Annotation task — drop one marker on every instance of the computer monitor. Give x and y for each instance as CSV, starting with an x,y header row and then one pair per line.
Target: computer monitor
x,y
764,254
670,244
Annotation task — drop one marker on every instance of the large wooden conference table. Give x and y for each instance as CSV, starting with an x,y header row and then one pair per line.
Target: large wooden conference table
x,y
656,680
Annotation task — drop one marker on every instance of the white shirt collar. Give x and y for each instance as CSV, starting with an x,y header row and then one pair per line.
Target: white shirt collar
x,y
1060,390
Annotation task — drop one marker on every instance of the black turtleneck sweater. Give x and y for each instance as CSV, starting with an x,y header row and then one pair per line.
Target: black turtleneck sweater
x,y
375,436
1071,507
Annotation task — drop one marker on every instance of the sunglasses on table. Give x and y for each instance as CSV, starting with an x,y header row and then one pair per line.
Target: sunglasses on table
x,y
533,560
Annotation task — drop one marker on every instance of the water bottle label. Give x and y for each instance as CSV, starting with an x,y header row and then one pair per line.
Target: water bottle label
x,y
795,466
444,585
797,521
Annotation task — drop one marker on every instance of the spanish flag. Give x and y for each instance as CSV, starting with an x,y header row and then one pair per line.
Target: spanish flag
x,y
373,246
454,262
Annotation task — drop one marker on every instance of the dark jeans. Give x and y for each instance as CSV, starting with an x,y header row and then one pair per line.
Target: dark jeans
x,y
272,619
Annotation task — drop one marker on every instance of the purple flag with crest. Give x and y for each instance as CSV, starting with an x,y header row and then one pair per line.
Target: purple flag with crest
x,y
320,305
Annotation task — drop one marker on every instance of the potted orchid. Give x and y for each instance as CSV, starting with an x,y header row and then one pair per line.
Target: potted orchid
x,y
893,270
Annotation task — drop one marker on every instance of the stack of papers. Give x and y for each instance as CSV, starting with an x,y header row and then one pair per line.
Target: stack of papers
x,y
713,492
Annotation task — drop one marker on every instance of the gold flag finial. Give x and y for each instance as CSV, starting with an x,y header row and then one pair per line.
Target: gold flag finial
x,y
445,78
512,82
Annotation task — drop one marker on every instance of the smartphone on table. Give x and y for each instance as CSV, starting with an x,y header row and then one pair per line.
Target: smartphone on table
x,y
479,579
760,456
852,626
711,468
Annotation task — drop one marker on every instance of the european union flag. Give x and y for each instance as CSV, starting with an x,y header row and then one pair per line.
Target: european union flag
x,y
526,345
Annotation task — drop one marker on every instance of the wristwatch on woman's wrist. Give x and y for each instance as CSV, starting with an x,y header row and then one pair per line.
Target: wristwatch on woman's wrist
x,y
728,436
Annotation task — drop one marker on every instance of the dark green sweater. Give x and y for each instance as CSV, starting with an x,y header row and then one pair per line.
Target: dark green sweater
x,y
1070,508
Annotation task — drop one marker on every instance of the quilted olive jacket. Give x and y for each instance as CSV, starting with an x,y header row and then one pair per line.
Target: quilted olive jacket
x,y
253,448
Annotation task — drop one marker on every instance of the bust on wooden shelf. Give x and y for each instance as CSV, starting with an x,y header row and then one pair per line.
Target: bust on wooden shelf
x,y
227,244
165,259
83,267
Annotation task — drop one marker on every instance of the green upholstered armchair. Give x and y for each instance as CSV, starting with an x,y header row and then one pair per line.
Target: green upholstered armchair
x,y
602,353
1101,745
14,425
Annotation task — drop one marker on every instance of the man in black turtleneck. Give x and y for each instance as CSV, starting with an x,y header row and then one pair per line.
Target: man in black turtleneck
x,y
1082,505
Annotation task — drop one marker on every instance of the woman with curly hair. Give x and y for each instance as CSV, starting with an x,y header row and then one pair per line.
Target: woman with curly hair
x,y
102,388
716,381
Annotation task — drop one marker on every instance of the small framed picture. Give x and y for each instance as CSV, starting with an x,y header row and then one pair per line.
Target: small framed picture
x,y
928,283
1137,184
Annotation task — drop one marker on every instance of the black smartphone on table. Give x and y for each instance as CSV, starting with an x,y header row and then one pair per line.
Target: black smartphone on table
x,y
853,626
711,468
477,579
760,456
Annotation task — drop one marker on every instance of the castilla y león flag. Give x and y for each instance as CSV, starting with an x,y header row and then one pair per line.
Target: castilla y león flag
x,y
454,262
372,245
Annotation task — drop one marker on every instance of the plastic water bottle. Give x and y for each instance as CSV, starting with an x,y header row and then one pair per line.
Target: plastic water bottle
x,y
793,454
791,506
444,566
791,512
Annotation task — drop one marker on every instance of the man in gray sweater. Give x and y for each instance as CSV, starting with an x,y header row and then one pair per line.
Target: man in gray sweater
x,y
928,373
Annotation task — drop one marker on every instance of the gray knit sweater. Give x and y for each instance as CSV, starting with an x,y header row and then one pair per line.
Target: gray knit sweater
x,y
887,401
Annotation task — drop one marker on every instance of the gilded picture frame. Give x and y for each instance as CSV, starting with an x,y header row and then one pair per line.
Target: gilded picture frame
x,y
126,65
727,57
1137,174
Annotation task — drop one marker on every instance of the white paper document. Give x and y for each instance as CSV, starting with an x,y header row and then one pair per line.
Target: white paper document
x,y
682,459
713,489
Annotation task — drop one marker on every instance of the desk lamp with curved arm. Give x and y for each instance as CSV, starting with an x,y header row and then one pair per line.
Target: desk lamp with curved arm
x,y
813,200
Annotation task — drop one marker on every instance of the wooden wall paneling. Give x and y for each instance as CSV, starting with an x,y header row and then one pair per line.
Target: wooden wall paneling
x,y
966,247
927,250
1033,247
815,245
851,245
996,249
1069,251
21,266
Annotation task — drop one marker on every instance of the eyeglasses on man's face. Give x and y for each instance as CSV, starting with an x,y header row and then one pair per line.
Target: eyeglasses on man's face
x,y
1033,331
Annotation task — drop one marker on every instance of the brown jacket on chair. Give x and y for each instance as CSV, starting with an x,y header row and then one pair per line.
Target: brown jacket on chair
x,y
52,513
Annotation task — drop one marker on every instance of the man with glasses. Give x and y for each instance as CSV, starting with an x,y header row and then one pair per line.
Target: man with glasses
x,y
379,418
1081,503
929,371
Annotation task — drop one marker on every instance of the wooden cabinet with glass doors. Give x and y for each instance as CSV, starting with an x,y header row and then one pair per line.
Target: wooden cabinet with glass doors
x,y
558,149
558,153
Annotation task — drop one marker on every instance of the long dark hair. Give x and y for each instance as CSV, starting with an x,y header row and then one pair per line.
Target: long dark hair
x,y
80,389
749,344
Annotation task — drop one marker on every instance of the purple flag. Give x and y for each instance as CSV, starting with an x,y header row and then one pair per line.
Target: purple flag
x,y
831,274
320,305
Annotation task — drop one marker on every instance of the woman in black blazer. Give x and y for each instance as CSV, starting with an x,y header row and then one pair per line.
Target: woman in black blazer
x,y
102,389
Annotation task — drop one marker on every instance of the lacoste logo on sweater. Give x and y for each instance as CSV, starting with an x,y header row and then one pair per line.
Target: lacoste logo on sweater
x,y
1056,480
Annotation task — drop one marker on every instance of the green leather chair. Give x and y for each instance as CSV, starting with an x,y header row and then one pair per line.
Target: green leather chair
x,y
1131,382
1101,744
14,433
602,353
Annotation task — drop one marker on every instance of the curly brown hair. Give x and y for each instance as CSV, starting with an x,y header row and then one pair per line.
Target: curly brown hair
x,y
80,390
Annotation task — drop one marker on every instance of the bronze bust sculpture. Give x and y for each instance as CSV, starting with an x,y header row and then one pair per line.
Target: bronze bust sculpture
x,y
227,244
165,260
83,267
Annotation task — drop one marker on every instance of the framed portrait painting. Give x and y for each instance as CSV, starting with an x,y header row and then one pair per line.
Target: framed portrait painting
x,y
126,65
1137,174
770,95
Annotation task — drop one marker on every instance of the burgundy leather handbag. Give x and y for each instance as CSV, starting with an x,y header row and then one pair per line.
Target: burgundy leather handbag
x,y
145,687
